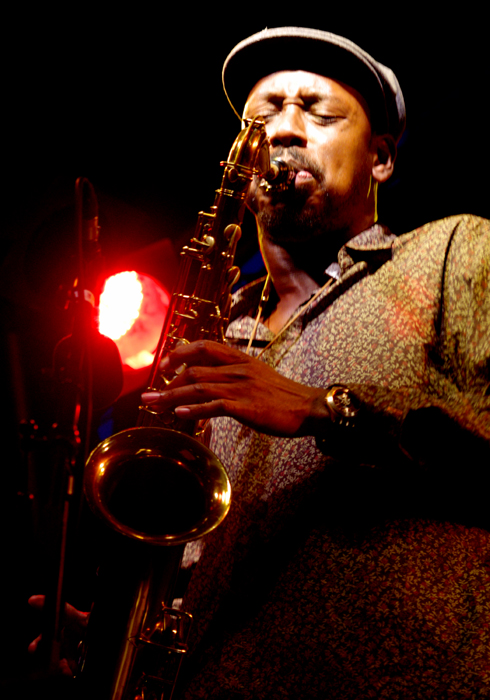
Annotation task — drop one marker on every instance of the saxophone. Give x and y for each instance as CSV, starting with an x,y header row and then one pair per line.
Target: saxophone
x,y
156,484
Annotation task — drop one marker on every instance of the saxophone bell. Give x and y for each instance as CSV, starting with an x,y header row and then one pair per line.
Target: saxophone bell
x,y
155,484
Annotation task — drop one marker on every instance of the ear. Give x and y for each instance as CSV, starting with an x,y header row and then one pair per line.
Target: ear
x,y
384,155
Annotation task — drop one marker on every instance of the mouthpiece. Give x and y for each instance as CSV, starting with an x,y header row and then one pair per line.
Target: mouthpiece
x,y
279,176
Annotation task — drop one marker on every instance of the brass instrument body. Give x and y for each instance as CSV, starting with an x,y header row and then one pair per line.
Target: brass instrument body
x,y
156,484
199,308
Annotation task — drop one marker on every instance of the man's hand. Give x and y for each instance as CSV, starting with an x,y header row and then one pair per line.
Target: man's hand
x,y
75,624
214,380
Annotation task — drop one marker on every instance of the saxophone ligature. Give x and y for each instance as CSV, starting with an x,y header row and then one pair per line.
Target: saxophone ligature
x,y
156,484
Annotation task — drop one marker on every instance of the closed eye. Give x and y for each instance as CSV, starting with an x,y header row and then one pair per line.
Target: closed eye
x,y
324,119
317,117
267,116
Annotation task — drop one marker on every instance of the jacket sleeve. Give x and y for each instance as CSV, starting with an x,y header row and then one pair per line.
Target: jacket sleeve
x,y
442,426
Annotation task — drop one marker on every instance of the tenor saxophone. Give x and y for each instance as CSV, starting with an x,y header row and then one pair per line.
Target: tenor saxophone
x,y
156,484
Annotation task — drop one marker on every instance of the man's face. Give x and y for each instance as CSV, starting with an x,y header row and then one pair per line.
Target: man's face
x,y
322,128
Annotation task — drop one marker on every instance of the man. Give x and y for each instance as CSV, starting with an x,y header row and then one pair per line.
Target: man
x,y
354,562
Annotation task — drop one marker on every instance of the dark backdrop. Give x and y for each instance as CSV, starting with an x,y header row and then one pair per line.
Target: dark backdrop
x,y
132,100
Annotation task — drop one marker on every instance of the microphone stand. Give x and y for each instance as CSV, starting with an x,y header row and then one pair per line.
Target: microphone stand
x,y
69,440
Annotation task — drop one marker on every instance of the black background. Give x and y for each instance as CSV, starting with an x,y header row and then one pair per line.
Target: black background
x,y
132,100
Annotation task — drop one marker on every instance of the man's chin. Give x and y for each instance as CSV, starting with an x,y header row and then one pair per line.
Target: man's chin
x,y
283,226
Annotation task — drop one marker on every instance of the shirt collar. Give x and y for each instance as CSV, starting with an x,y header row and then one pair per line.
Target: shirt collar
x,y
374,246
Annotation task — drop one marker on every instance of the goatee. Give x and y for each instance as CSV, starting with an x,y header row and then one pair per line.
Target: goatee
x,y
297,215
288,217
292,219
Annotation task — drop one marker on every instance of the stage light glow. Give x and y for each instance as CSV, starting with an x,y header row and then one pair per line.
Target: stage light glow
x,y
120,304
132,312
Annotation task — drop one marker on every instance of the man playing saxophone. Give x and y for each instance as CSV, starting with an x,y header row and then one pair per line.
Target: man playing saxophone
x,y
354,560
350,407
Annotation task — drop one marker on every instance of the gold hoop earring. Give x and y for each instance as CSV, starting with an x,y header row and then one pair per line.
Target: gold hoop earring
x,y
375,191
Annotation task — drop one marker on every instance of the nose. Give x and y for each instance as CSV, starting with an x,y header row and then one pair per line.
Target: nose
x,y
288,127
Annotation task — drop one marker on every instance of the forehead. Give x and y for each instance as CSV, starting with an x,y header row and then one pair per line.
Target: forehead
x,y
306,86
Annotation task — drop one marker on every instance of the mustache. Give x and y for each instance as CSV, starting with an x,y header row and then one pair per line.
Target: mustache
x,y
299,160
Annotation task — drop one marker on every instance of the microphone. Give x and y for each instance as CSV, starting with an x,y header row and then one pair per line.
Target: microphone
x,y
106,374
107,371
89,252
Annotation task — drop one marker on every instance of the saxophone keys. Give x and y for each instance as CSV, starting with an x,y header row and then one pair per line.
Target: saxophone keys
x,y
233,275
232,233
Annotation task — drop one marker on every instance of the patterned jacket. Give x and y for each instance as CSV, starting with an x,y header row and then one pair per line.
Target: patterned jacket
x,y
363,572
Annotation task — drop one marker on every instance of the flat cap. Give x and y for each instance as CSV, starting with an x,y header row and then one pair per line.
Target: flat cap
x,y
315,51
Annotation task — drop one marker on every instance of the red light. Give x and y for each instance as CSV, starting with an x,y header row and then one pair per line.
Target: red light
x,y
132,311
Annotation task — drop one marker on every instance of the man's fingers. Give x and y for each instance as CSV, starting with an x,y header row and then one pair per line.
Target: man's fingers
x,y
37,601
195,393
203,353
65,668
73,618
33,645
202,411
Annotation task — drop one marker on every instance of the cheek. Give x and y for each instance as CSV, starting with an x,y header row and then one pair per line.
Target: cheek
x,y
347,163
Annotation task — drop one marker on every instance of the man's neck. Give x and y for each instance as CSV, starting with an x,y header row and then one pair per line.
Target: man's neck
x,y
295,278
297,271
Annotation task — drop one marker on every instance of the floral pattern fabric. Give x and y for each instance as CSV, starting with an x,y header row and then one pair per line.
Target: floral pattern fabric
x,y
362,571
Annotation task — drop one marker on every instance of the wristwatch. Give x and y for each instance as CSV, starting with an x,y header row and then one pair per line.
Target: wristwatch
x,y
342,405
343,409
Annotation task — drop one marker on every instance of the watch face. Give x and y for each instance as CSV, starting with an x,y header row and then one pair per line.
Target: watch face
x,y
343,405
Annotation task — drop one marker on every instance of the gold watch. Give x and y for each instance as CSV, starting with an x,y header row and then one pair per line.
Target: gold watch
x,y
342,405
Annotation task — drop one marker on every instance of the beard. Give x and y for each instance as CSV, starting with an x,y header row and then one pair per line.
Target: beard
x,y
290,217
291,220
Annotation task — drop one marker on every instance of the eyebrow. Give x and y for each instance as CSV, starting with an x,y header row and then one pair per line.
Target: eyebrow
x,y
307,95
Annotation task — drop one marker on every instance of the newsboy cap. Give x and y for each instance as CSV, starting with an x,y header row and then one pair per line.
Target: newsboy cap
x,y
315,51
